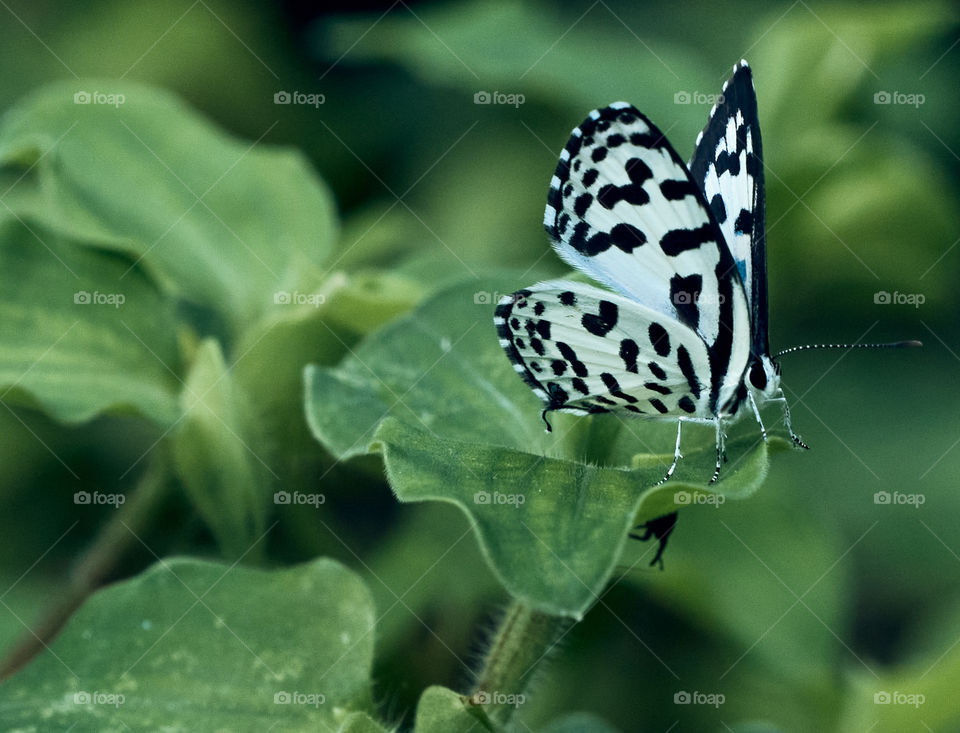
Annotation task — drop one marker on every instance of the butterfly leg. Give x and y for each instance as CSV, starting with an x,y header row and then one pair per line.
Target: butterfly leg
x,y
786,421
721,450
756,414
676,456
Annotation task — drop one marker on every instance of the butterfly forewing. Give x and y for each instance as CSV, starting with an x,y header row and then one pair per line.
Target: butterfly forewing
x,y
728,165
585,350
624,209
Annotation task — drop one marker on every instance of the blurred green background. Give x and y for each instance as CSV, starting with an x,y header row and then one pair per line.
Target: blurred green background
x,y
786,602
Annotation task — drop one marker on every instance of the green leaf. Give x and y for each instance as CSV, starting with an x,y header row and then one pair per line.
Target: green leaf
x,y
217,453
444,711
195,646
756,728
579,723
81,332
360,723
218,221
464,429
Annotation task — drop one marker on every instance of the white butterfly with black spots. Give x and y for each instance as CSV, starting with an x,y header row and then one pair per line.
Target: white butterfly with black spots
x,y
681,332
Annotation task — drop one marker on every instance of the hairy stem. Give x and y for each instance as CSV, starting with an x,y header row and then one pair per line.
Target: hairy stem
x,y
523,640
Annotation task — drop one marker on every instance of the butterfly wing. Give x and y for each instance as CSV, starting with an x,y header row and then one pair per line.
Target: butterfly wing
x,y
728,165
587,350
624,209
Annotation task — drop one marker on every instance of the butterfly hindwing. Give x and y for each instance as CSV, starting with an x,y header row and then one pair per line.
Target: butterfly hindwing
x,y
586,350
728,166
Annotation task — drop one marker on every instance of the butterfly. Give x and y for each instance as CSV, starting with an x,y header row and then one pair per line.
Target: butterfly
x,y
680,331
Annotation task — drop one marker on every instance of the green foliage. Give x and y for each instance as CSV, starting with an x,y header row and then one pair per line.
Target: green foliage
x,y
193,645
383,374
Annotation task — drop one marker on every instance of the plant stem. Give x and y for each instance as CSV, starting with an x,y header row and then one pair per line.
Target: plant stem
x,y
523,640
95,565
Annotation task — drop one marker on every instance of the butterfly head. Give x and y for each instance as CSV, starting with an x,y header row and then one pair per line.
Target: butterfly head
x,y
764,376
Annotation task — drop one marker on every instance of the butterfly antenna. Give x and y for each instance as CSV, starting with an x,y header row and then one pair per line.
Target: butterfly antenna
x,y
891,345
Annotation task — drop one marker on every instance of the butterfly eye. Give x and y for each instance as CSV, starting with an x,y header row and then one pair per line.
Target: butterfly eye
x,y
758,377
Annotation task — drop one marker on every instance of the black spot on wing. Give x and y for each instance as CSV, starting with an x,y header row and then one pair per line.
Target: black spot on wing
x,y
579,368
659,406
629,351
686,369
744,222
537,345
659,339
581,204
658,388
590,177
627,237
611,194
728,162
677,241
686,404
567,298
678,190
718,208
684,292
543,328
559,366
580,385
657,370
600,324
591,245
539,308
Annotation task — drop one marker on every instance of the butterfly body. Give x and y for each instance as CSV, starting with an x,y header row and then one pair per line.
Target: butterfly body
x,y
680,333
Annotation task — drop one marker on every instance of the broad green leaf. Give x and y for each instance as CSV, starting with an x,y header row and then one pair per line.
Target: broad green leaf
x,y
512,48
464,429
756,728
579,723
552,529
219,454
444,711
360,723
225,223
81,330
190,646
